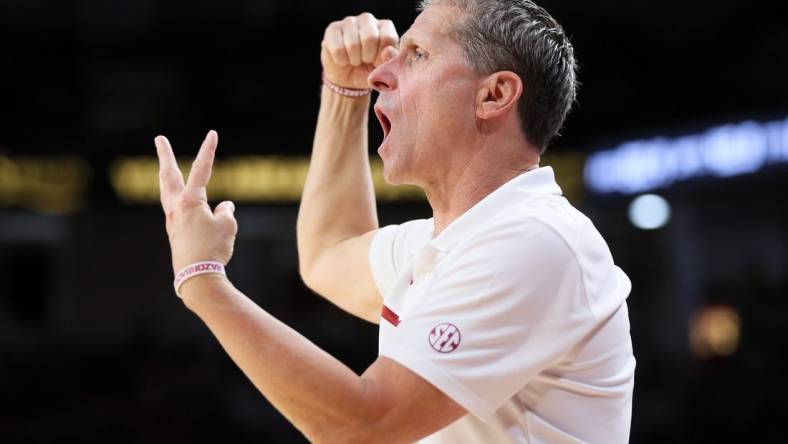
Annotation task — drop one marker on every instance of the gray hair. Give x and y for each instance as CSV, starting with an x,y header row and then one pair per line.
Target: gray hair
x,y
519,36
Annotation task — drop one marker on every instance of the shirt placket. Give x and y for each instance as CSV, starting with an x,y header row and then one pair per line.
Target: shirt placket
x,y
420,278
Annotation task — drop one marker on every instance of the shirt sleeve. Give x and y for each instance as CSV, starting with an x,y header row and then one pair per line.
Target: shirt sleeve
x,y
500,308
393,246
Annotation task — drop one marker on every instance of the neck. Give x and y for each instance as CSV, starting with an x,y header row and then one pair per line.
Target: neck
x,y
472,178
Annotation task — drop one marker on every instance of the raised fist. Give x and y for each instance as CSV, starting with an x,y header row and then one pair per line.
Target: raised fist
x,y
353,47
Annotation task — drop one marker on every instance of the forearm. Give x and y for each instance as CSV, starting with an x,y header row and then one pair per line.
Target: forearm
x,y
338,201
313,390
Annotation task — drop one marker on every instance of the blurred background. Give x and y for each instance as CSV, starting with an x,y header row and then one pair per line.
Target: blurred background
x,y
677,150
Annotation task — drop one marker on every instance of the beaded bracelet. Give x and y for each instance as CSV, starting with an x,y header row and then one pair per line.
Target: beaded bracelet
x,y
342,91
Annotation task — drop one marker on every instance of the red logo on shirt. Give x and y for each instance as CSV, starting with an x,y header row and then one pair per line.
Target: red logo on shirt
x,y
445,338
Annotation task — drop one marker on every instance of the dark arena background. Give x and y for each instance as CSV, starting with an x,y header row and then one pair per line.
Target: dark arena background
x,y
677,150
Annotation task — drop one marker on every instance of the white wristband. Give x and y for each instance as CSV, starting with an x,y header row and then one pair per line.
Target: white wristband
x,y
196,270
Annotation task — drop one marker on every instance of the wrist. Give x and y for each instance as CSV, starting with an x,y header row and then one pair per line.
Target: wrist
x,y
343,91
194,270
202,287
344,113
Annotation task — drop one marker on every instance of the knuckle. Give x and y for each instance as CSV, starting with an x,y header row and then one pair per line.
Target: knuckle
x,y
333,46
338,54
183,202
372,41
386,40
333,27
231,226
389,31
368,34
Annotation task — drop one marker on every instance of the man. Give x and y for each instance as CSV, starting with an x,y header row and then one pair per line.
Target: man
x,y
502,318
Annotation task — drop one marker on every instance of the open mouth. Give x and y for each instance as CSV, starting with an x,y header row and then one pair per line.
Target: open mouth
x,y
385,123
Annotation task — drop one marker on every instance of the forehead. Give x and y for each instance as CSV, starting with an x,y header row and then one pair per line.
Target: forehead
x,y
434,24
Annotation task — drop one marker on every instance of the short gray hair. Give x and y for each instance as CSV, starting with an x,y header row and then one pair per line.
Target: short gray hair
x,y
519,36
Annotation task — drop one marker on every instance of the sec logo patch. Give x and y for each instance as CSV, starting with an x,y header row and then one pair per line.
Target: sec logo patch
x,y
445,338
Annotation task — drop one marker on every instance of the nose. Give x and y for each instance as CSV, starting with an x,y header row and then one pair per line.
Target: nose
x,y
384,77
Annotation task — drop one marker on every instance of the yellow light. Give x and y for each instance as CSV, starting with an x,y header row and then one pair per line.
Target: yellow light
x,y
281,179
241,179
59,185
47,185
135,179
715,331
568,166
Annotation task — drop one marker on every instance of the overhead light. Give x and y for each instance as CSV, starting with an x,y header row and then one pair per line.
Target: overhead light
x,y
649,212
715,331
723,151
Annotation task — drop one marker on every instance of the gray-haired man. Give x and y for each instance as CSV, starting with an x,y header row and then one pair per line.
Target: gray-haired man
x,y
503,317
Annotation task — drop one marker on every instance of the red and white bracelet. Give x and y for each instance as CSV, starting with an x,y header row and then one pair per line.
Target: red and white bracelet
x,y
342,91
196,270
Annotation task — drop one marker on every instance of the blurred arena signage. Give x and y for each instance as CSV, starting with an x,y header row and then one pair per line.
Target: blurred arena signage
x,y
261,179
62,185
722,151
48,185
242,179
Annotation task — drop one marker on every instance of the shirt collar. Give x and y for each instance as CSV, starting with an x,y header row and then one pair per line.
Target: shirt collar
x,y
526,186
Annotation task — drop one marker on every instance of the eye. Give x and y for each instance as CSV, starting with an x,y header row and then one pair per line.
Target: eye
x,y
418,54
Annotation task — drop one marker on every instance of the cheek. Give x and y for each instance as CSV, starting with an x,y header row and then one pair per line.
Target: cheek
x,y
426,110
450,110
435,114
415,133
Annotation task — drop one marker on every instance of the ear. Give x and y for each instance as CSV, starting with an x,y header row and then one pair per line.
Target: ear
x,y
498,94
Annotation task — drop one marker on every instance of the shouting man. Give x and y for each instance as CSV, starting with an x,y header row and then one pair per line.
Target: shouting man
x,y
502,318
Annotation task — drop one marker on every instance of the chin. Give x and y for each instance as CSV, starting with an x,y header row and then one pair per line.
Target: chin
x,y
390,176
393,175
397,169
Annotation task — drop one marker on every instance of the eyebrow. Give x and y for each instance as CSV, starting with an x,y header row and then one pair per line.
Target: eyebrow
x,y
408,40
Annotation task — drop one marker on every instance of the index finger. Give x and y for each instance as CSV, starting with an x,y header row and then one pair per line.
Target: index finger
x,y
388,34
369,34
388,39
203,163
170,177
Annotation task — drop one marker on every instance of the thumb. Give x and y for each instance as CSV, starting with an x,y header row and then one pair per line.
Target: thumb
x,y
225,209
386,54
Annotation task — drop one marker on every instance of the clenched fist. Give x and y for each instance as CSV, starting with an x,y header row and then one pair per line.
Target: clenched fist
x,y
353,47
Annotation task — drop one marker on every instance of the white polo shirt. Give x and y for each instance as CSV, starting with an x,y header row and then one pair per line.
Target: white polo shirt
x,y
517,312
